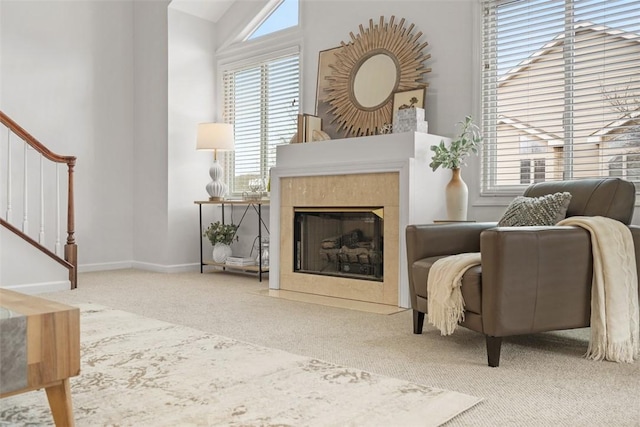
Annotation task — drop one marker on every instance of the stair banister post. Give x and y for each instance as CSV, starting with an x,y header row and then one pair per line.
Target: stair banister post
x,y
71,249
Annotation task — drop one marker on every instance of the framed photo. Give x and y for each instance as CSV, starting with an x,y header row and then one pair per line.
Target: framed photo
x,y
325,59
405,98
307,124
311,124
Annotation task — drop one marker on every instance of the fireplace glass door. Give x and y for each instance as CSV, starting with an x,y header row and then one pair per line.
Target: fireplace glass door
x,y
345,242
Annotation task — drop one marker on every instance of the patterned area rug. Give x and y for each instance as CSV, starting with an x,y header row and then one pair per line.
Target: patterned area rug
x,y
138,371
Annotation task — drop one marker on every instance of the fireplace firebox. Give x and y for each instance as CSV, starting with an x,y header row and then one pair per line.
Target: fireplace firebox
x,y
344,242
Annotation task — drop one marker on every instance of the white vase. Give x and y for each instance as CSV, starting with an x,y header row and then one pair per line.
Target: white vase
x,y
457,196
221,251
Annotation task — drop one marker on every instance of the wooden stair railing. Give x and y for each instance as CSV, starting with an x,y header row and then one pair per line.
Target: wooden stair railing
x,y
70,260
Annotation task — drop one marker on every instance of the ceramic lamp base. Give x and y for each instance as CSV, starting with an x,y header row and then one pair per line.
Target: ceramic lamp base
x,y
216,188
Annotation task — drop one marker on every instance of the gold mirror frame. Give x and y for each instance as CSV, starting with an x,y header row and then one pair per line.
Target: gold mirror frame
x,y
393,40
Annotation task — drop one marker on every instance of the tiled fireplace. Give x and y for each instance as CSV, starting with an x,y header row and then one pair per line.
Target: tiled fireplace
x,y
340,208
339,194
339,242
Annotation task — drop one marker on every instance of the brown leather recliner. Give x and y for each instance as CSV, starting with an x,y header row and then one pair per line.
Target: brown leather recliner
x,y
531,279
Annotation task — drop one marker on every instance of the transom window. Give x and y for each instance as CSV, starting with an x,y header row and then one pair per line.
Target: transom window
x,y
283,16
560,91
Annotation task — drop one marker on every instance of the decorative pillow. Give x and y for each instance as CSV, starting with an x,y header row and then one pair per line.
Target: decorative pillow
x,y
545,210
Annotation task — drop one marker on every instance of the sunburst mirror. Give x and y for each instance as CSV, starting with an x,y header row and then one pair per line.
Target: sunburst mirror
x,y
380,60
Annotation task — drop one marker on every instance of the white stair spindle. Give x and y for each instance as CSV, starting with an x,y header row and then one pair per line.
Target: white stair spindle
x,y
41,234
25,220
57,245
8,214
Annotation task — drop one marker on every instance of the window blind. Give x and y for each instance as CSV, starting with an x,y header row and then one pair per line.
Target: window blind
x,y
261,100
560,91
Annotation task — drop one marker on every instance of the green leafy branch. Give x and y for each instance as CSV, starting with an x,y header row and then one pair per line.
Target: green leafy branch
x,y
467,142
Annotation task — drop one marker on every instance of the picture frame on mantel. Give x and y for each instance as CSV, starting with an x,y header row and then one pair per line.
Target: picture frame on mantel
x,y
401,98
329,123
307,125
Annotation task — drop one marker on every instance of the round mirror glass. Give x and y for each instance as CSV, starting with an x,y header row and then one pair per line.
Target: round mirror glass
x,y
375,80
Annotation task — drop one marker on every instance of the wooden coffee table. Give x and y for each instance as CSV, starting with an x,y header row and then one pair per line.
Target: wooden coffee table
x,y
40,341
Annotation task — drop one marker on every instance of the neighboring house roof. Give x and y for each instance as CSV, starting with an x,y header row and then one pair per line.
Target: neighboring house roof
x,y
614,127
551,139
558,40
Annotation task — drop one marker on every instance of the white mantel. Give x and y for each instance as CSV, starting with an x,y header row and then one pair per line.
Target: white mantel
x,y
421,197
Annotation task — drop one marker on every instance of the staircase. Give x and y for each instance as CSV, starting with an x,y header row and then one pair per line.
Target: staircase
x,y
24,161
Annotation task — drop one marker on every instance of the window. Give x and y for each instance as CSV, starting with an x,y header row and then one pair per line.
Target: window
x,y
525,171
539,171
261,100
561,79
285,15
626,166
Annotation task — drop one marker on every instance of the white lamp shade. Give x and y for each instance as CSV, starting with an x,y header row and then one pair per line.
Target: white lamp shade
x,y
215,136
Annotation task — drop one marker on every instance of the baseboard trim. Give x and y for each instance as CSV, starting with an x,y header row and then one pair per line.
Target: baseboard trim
x,y
40,288
88,268
65,285
159,268
148,266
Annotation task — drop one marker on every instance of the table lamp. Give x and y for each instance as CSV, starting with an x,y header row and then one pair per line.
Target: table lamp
x,y
214,137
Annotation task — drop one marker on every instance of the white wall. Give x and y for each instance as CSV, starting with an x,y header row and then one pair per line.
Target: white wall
x,y
23,276
150,170
191,95
67,77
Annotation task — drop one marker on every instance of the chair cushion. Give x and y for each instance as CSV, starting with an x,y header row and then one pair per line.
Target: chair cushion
x,y
536,211
471,283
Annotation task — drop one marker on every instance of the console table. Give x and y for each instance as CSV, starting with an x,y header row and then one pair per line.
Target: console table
x,y
256,205
40,343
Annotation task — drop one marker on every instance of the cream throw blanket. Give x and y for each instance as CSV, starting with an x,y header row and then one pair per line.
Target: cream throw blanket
x,y
445,305
614,291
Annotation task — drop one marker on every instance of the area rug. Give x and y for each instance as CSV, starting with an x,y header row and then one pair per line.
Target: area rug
x,y
138,371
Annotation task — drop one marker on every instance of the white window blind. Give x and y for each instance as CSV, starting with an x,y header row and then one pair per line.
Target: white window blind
x,y
560,91
261,101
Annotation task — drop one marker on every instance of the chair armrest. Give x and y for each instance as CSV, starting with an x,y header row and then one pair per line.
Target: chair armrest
x,y
535,279
443,239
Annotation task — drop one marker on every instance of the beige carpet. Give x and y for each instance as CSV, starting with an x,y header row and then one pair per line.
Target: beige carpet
x,y
138,371
543,379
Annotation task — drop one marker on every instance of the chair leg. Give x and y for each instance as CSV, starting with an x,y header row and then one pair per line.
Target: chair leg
x,y
493,350
418,321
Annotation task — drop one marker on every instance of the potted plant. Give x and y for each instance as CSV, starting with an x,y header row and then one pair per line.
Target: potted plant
x,y
221,236
453,157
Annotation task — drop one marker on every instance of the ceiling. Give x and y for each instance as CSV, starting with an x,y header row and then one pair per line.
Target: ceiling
x,y
211,10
